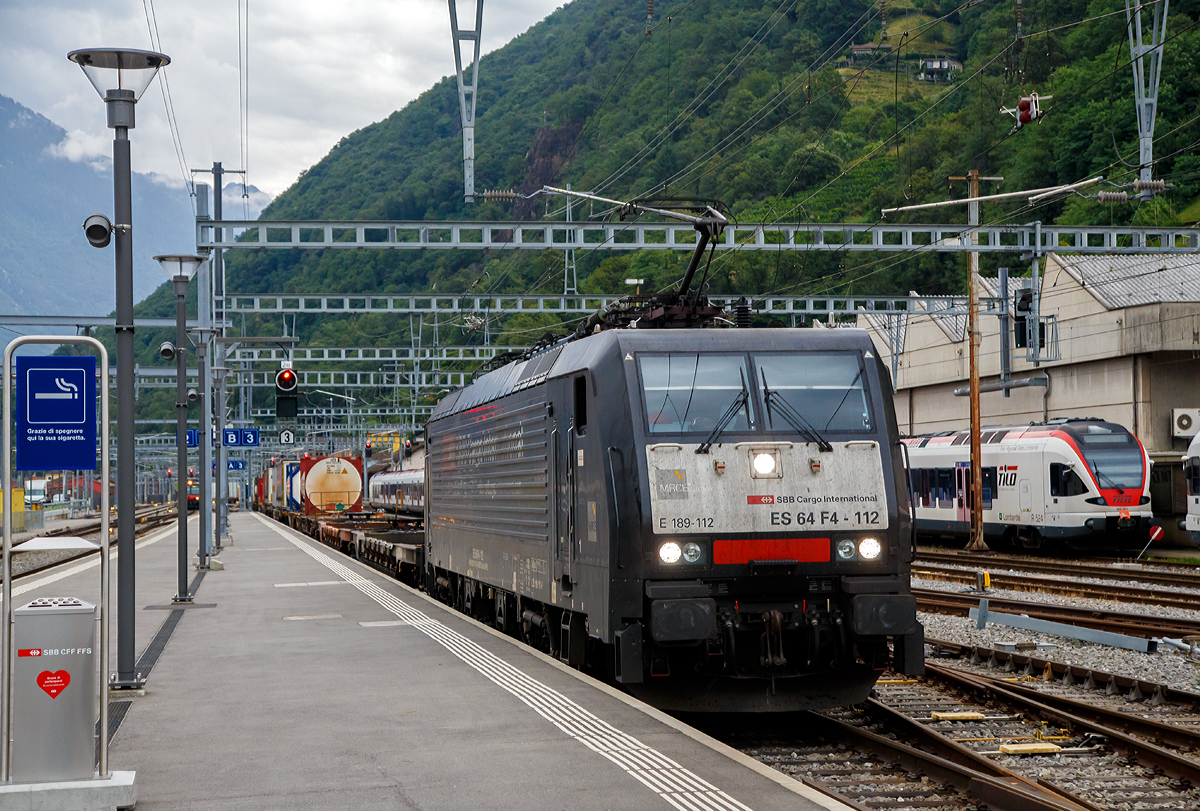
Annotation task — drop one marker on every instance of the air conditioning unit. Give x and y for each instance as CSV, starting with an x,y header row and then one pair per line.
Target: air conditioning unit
x,y
1185,422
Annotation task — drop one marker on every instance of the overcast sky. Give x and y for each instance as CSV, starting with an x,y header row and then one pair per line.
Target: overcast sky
x,y
317,71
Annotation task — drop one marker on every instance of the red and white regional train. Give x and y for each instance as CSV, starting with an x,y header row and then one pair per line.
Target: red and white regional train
x,y
1191,471
1083,483
401,491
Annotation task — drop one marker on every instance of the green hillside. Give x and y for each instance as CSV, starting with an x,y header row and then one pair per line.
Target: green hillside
x,y
760,106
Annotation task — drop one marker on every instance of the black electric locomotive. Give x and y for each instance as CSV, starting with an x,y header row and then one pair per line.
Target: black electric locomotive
x,y
718,519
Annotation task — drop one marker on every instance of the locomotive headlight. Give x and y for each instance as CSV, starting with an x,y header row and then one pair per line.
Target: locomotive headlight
x,y
669,552
845,549
692,552
764,464
869,548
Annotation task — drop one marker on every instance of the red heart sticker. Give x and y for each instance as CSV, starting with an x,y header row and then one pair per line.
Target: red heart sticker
x,y
53,683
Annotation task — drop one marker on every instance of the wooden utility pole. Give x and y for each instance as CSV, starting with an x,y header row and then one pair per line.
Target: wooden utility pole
x,y
976,498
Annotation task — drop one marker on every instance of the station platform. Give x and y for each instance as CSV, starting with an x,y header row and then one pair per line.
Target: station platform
x,y
301,679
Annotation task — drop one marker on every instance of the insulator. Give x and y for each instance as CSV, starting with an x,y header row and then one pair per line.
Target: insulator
x,y
1112,197
1149,185
1023,104
499,194
1025,117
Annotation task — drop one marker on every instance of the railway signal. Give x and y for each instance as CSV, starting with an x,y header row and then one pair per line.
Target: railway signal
x,y
286,397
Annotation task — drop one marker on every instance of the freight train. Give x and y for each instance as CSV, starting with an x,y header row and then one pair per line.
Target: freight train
x,y
1078,483
320,485
715,519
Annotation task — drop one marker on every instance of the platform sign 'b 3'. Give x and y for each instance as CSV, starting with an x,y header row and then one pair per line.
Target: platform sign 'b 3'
x,y
56,413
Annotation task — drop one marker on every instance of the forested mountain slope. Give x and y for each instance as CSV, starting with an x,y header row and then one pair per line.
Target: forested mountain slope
x,y
757,105
763,106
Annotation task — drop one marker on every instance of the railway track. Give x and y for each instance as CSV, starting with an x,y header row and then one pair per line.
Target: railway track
x,y
944,602
1013,581
1184,576
145,520
1154,712
871,766
956,740
1085,762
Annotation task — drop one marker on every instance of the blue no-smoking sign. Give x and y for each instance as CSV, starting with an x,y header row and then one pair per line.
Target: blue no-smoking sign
x,y
56,413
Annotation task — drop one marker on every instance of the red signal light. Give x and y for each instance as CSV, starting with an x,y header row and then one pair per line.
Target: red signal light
x,y
285,380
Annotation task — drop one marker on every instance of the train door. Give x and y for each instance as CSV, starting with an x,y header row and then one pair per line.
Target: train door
x,y
562,451
590,467
962,491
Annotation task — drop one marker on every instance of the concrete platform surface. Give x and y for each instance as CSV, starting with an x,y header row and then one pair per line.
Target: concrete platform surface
x,y
302,680
117,791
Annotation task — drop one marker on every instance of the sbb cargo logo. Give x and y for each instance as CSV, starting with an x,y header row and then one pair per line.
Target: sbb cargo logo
x,y
760,499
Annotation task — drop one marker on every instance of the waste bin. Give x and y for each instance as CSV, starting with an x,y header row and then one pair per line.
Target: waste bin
x,y
54,696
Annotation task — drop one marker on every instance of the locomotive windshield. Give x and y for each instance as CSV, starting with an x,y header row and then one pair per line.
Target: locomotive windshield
x,y
827,389
1112,454
688,392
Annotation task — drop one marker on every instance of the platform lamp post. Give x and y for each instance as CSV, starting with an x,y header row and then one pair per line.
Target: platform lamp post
x,y
120,76
180,268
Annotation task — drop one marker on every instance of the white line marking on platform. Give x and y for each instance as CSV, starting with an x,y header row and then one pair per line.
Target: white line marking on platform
x,y
317,617
91,562
317,583
268,549
675,784
384,623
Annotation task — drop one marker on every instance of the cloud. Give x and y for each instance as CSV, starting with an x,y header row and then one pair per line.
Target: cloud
x,y
316,72
91,148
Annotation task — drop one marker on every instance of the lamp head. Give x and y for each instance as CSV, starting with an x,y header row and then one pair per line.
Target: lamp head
x,y
126,69
167,351
176,265
192,395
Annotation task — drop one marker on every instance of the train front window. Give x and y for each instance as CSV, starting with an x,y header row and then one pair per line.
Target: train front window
x,y
828,389
689,392
1113,456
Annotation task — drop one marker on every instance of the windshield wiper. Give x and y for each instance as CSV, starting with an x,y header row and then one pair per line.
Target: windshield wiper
x,y
739,402
849,389
1096,470
793,417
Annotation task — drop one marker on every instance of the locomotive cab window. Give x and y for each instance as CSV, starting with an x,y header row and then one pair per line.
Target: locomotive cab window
x,y
689,392
828,389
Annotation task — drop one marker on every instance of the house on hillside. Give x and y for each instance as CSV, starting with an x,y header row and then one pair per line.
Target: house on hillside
x,y
1128,340
939,70
869,51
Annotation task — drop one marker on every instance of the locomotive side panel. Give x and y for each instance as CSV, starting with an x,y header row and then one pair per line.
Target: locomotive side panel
x,y
490,504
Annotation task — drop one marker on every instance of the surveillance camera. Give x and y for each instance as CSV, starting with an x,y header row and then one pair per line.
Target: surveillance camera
x,y
167,351
98,230
192,396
